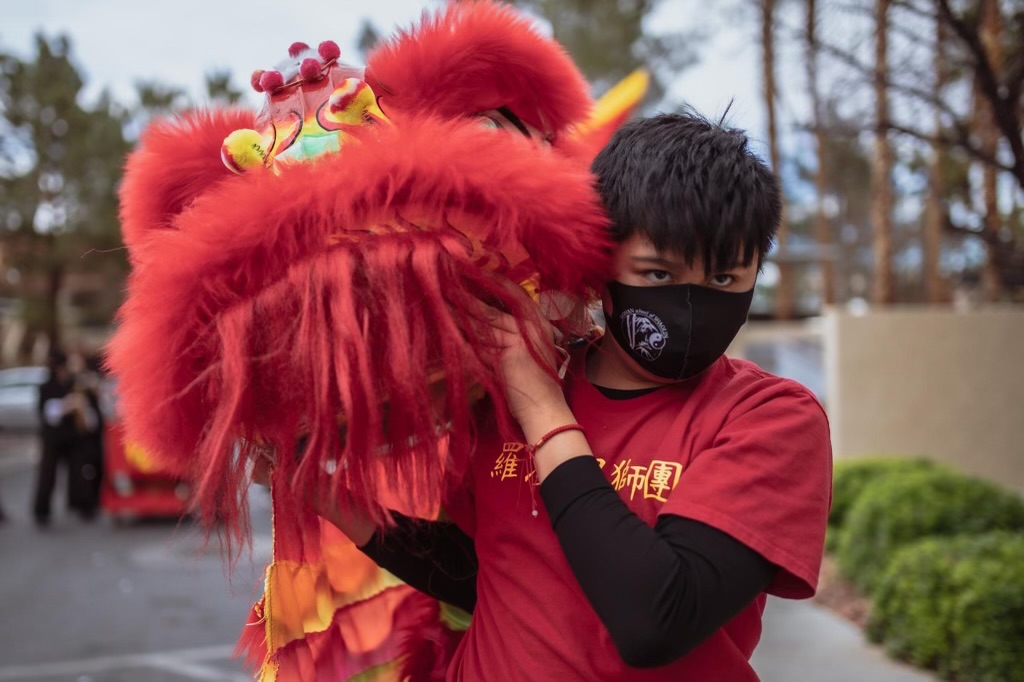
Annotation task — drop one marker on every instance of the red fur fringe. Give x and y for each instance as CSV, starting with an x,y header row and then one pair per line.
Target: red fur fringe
x,y
474,56
272,308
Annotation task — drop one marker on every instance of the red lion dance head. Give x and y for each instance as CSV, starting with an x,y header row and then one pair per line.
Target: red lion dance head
x,y
312,277
328,268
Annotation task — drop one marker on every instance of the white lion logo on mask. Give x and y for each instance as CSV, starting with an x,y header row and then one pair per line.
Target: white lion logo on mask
x,y
645,332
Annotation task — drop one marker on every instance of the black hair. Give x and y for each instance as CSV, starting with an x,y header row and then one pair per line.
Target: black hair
x,y
691,186
56,359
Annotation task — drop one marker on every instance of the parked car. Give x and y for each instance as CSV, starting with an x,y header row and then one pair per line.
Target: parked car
x,y
19,397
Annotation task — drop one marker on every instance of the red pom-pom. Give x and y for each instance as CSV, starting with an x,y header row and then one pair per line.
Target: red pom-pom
x,y
271,80
295,49
254,80
310,69
329,50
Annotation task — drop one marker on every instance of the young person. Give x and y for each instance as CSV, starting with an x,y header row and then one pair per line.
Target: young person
x,y
654,499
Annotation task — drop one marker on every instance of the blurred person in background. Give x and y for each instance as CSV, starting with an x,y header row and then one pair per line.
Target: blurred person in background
x,y
71,431
85,469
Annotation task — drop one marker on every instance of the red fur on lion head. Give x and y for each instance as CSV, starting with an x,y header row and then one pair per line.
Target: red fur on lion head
x,y
265,306
475,56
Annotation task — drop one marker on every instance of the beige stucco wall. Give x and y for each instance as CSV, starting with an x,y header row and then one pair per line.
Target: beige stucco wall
x,y
946,384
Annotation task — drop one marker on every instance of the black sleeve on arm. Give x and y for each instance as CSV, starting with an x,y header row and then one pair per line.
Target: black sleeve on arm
x,y
660,591
434,557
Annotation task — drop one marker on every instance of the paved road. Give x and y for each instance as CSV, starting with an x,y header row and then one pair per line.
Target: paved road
x,y
143,602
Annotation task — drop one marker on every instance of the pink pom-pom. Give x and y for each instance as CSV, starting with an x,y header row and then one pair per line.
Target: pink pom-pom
x,y
295,49
254,80
310,69
329,50
271,80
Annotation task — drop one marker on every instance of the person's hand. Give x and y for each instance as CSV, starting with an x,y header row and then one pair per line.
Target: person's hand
x,y
74,403
357,526
533,391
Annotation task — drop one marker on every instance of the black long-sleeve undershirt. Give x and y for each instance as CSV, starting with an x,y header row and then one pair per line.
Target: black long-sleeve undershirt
x,y
434,557
659,591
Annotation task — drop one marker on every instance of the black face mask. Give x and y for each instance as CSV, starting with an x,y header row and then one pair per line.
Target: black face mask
x,y
676,331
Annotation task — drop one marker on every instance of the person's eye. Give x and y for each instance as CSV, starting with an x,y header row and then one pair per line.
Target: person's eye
x,y
489,122
721,281
658,276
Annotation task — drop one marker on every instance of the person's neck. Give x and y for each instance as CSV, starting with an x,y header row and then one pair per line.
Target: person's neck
x,y
607,367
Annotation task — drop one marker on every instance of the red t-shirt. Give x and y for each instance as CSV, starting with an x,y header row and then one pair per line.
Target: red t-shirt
x,y
735,448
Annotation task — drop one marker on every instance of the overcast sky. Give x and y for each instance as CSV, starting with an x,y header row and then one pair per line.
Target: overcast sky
x,y
119,42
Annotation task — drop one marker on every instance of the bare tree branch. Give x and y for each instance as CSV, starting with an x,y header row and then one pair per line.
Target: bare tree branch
x,y
1007,117
902,31
912,8
1005,113
869,71
1014,74
956,142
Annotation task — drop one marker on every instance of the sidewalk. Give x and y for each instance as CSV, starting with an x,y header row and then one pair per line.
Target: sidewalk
x,y
18,451
803,642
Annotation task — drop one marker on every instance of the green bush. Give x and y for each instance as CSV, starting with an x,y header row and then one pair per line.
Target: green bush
x,y
851,477
906,608
988,618
897,510
955,605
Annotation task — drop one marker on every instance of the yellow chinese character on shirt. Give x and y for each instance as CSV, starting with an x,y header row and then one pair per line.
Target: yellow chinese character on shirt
x,y
507,464
636,480
619,474
662,477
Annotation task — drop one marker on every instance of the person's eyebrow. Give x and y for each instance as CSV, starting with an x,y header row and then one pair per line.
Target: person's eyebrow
x,y
514,120
727,265
658,260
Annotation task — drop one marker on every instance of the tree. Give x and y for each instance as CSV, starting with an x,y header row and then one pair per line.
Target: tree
x,y
965,40
980,109
882,195
219,89
608,40
154,100
784,293
822,225
990,32
935,212
61,162
369,36
980,34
